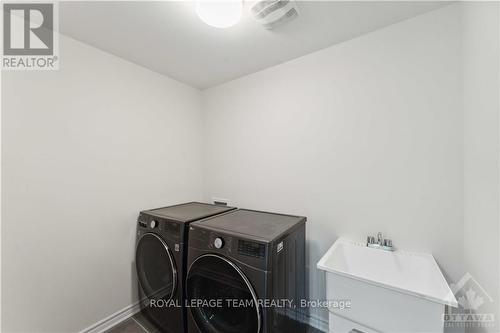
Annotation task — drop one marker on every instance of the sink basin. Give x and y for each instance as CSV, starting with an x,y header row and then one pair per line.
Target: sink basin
x,y
389,291
415,274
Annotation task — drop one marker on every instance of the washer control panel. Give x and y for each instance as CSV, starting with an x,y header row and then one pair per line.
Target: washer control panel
x,y
160,226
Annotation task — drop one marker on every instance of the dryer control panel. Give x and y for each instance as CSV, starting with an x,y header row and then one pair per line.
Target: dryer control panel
x,y
249,251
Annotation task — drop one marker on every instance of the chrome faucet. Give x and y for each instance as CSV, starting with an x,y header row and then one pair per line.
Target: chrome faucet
x,y
381,243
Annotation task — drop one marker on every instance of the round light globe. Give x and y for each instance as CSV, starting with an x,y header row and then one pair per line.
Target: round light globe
x,y
220,14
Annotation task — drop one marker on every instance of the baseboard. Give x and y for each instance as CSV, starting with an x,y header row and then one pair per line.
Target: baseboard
x,y
114,319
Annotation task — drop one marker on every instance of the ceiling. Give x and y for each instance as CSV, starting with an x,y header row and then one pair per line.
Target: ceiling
x,y
168,38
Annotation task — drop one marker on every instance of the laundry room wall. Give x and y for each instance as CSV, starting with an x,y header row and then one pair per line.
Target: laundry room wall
x,y
361,137
481,150
84,149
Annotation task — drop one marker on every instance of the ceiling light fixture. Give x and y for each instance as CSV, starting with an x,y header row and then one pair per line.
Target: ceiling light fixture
x,y
219,14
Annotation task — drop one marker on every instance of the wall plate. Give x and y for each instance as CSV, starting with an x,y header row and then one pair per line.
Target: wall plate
x,y
221,201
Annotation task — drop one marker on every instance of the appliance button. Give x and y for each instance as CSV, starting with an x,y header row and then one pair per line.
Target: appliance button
x,y
153,224
218,243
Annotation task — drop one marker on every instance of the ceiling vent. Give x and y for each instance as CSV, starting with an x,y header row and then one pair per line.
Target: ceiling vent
x,y
272,13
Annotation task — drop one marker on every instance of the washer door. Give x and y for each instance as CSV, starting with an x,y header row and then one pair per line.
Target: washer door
x,y
213,278
155,267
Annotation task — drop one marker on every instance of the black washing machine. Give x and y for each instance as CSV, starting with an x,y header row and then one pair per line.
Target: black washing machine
x,y
246,273
161,258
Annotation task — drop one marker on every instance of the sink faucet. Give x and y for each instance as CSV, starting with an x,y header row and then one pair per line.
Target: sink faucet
x,y
381,243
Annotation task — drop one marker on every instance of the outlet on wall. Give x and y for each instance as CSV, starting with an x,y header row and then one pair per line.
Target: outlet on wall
x,y
221,201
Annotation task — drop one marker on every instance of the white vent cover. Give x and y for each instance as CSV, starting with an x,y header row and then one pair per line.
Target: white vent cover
x,y
271,13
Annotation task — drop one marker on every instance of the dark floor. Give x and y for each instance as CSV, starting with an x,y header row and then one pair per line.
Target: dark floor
x,y
139,324
136,324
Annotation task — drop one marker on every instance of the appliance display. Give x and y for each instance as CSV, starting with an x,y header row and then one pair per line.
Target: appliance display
x,y
246,273
160,260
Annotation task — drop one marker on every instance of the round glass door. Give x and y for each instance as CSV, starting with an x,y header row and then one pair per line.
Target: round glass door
x,y
155,267
212,278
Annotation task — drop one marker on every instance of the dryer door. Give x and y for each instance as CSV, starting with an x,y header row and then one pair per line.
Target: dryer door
x,y
225,299
155,267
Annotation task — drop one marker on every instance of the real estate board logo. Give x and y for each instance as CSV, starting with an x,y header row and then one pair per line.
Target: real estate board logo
x,y
30,41
471,298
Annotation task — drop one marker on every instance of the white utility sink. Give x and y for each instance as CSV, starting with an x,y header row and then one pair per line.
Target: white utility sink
x,y
389,291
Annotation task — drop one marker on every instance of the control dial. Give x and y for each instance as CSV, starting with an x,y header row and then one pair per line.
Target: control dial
x,y
218,243
153,224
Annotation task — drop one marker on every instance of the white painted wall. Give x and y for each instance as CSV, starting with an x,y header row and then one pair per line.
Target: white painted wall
x,y
481,148
361,137
83,150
